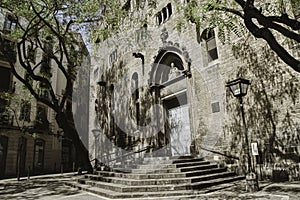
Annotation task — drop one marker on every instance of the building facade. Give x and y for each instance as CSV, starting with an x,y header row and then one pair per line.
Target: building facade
x,y
159,92
30,140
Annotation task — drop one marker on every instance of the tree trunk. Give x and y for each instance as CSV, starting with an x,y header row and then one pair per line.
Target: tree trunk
x,y
66,123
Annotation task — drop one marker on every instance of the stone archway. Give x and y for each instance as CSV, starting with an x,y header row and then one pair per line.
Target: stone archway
x,y
169,78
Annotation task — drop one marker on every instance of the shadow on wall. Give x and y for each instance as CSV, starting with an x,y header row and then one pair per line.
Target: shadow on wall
x,y
117,113
271,107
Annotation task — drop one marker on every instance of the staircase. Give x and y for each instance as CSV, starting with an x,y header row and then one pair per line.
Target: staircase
x,y
158,177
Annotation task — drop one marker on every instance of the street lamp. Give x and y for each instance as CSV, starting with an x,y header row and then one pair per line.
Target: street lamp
x,y
239,88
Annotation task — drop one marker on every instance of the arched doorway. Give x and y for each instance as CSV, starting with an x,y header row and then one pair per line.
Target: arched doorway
x,y
168,77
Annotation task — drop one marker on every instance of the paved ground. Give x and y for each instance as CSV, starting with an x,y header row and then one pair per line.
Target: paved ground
x,y
52,187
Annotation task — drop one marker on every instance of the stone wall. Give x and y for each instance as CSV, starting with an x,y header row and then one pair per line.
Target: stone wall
x,y
271,105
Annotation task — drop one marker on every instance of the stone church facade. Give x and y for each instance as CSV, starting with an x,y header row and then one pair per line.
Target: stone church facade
x,y
158,92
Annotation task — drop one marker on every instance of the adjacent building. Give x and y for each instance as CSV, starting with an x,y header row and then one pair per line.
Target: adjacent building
x,y
30,140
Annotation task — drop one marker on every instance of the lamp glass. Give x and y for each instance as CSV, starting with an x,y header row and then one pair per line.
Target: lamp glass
x,y
244,88
235,89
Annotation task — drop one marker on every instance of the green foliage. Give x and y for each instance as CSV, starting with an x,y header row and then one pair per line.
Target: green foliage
x,y
270,21
209,15
11,105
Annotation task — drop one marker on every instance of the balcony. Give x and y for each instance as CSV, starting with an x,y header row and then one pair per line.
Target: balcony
x,y
6,119
8,50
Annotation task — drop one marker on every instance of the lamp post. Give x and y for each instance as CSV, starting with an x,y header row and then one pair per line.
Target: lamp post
x,y
239,88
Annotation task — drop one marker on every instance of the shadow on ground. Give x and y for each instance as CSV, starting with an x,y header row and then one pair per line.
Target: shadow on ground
x,y
35,189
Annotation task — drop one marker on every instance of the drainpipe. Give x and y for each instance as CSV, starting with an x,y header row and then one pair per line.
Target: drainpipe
x,y
141,56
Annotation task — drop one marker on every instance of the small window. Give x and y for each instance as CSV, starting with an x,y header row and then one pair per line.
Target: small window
x,y
211,47
25,111
41,121
159,19
164,13
215,107
5,79
112,93
10,22
8,50
170,11
46,66
46,59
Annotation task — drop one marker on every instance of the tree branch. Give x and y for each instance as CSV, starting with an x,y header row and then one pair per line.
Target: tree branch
x,y
225,9
267,35
284,19
267,23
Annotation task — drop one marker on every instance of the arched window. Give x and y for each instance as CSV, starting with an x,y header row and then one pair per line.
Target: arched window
x,y
210,42
169,65
159,18
169,8
136,94
112,108
164,14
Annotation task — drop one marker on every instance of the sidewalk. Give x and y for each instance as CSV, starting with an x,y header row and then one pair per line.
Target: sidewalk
x,y
50,187
268,190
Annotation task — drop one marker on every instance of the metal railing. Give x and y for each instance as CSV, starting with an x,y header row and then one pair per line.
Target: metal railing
x,y
107,165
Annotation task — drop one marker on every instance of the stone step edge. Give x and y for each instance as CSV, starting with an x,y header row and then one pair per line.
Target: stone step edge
x,y
149,195
200,166
181,186
139,171
168,179
197,193
197,163
113,194
171,165
217,181
104,173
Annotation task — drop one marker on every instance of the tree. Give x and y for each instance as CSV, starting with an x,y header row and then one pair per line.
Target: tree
x,y
273,22
49,28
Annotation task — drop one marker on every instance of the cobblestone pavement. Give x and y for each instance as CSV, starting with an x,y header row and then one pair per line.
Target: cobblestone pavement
x,y
52,187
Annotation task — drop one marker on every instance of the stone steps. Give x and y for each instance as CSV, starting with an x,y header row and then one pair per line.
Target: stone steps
x,y
131,181
139,195
142,176
170,177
